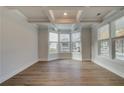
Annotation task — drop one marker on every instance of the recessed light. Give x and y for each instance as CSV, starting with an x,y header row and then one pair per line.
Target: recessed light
x,y
65,14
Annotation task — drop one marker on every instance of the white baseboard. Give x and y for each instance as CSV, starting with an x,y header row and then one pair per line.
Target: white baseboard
x,y
86,60
65,58
76,59
6,77
50,59
0,80
43,59
111,70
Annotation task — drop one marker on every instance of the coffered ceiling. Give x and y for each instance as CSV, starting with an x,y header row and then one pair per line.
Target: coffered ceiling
x,y
85,15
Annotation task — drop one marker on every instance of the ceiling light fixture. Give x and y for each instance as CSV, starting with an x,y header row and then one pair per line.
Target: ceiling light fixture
x,y
65,14
98,14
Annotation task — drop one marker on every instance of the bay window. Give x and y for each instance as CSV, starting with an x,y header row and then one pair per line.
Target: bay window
x,y
63,42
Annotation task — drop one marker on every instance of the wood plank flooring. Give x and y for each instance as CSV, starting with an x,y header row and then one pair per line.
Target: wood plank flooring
x,y
64,73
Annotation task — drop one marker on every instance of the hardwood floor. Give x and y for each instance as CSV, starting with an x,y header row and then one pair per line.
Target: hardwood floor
x,y
65,72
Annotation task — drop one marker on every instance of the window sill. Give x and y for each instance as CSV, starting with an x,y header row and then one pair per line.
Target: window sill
x,y
52,53
105,57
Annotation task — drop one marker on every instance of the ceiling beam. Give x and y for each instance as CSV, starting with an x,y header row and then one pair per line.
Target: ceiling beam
x,y
38,20
79,16
67,21
52,15
91,20
49,14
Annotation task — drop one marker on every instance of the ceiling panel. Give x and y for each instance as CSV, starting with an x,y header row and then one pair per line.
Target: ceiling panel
x,y
38,12
41,14
59,14
90,13
31,11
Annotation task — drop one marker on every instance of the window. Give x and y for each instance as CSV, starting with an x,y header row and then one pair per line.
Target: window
x,y
64,42
103,40
53,42
53,47
53,37
119,27
64,47
64,37
118,37
104,48
119,49
76,36
76,45
103,32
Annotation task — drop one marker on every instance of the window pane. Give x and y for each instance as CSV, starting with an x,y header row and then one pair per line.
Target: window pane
x,y
64,37
75,36
119,27
65,47
76,47
104,48
53,48
53,37
119,49
103,32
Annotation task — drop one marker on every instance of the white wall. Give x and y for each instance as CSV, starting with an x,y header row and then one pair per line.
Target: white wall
x,y
115,66
19,43
86,44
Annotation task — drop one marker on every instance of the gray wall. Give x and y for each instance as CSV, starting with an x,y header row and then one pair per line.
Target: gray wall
x,y
0,42
86,44
43,43
19,43
115,66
